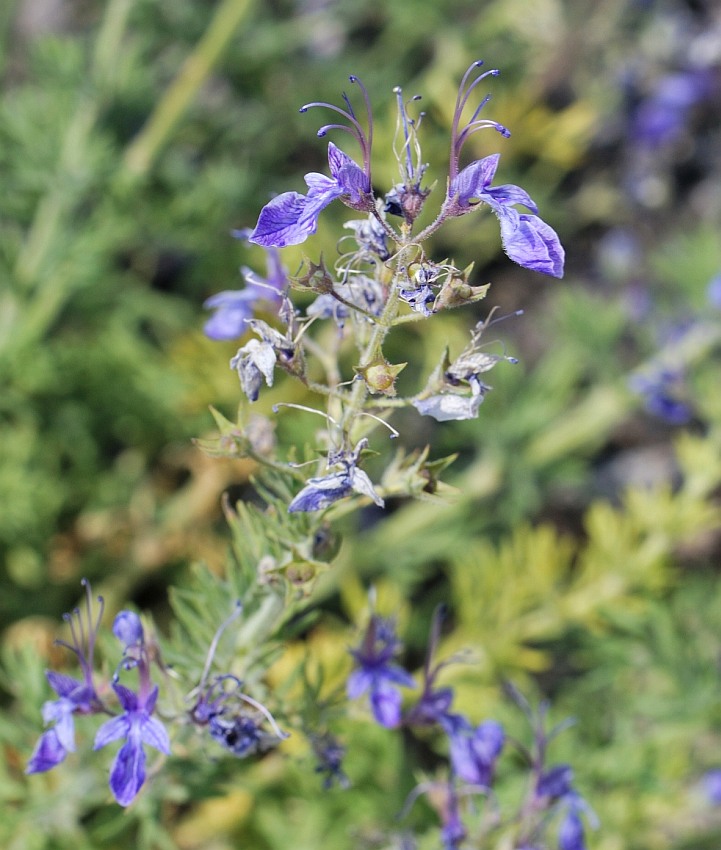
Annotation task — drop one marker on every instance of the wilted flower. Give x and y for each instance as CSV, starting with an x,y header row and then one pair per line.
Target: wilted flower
x,y
321,492
443,398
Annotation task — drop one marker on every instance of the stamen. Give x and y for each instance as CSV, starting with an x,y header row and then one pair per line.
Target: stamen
x,y
398,91
369,113
268,716
364,140
393,431
326,416
464,92
214,643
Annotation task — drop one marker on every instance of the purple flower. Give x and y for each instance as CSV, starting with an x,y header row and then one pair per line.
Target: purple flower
x,y
571,834
329,753
526,238
75,696
291,218
128,629
663,116
474,751
453,832
661,393
226,714
54,744
713,293
555,782
712,786
234,307
377,674
321,492
137,727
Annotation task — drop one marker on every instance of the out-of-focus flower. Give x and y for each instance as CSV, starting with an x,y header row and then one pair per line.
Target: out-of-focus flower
x,y
377,673
711,784
663,116
662,393
234,307
713,292
474,751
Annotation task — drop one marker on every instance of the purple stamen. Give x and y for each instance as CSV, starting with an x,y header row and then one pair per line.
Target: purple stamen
x,y
355,129
475,124
404,118
83,642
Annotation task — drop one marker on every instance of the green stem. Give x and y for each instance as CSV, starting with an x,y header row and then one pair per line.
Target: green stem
x,y
142,152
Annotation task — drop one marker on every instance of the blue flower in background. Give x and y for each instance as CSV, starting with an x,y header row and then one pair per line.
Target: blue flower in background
x,y
474,751
377,674
713,293
664,114
711,784
661,391
234,307
137,727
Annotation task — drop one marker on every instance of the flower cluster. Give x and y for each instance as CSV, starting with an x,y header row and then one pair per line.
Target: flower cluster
x,y
473,750
382,278
135,724
290,218
220,708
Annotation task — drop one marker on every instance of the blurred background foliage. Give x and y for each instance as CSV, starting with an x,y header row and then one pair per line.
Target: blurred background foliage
x,y
580,556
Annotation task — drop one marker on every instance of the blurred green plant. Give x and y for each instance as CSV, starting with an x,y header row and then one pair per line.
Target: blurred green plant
x,y
580,554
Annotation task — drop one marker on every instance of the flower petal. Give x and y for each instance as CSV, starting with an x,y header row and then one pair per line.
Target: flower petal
x,y
361,483
509,194
471,183
530,242
447,407
348,174
154,734
282,222
48,753
64,686
112,730
318,493
386,704
128,772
